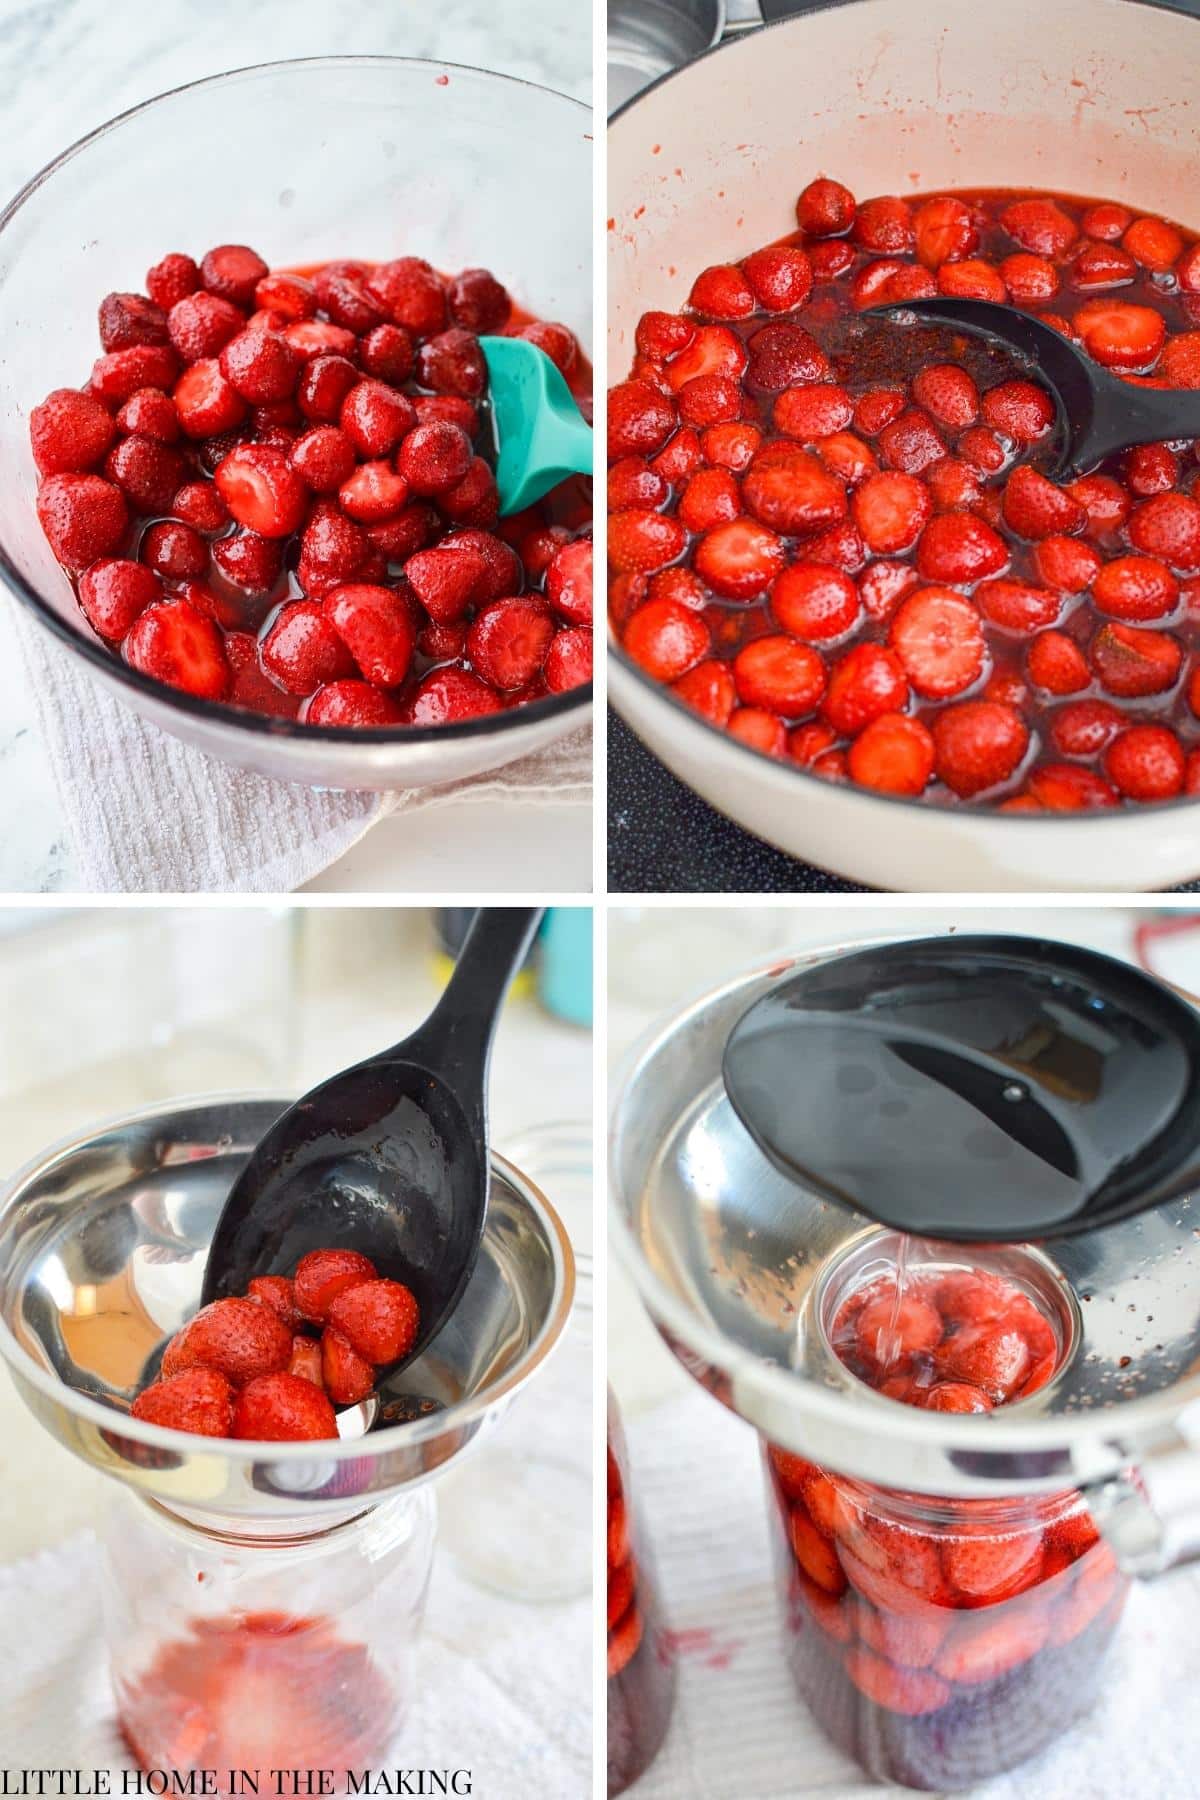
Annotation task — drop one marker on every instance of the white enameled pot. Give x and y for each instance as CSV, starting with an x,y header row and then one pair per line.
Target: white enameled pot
x,y
1093,97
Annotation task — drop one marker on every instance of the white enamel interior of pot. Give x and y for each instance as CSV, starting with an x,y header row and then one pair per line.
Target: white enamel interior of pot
x,y
1094,97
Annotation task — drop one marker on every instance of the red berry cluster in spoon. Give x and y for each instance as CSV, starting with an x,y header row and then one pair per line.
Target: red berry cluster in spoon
x,y
274,1364
274,490
836,540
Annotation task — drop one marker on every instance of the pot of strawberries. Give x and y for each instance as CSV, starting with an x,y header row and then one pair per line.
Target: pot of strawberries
x,y
853,601
971,1450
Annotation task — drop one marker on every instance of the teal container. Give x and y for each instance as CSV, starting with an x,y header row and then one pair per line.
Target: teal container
x,y
565,963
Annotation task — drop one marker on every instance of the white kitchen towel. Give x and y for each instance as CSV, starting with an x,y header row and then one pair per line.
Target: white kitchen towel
x,y
147,814
503,1689
739,1728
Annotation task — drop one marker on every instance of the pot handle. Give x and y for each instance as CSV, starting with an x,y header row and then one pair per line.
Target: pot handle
x,y
1151,1516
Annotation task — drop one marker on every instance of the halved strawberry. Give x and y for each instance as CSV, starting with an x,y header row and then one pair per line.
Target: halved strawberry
x,y
178,645
989,1355
639,539
982,1648
907,1638
1146,763
348,1377
1039,225
740,559
787,488
1084,727
376,626
866,682
814,1552
990,1566
814,602
809,413
948,394
781,674
277,1292
1168,526
1121,335
666,639
715,350
446,580
624,1642
1132,662
1017,606
894,754
1035,508
972,279
1055,663
954,1397
1136,588
890,510
1066,563
262,490
939,640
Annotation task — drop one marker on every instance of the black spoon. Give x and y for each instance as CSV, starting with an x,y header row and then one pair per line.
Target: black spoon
x,y
389,1157
988,1088
1098,413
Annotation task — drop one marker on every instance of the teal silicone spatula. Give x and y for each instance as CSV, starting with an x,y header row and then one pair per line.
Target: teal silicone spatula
x,y
541,435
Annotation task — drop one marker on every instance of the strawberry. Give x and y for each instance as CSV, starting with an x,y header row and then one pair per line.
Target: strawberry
x,y
1136,588
1040,226
198,1400
238,1337
1145,763
948,394
787,489
666,639
1168,527
302,650
834,1614
83,516
779,277
324,1274
379,1319
972,279
69,432
323,457
911,442
759,730
640,540
990,1567
261,366
661,335
283,1408
1055,663
621,1585
825,208
1066,563
956,1397
722,292
944,230
780,674
1102,266
714,350
889,1328
1153,243
617,1542
1085,727
1093,1588
1131,662
904,1638
884,225
784,355
1018,410
1180,365
262,490
233,271
306,1359
792,1472
569,581
171,279
175,644
890,510
1065,787
569,660
449,695
1121,335
375,417
640,419
351,703
988,1356
348,1377
956,547
978,744
446,579
808,743
1075,1533
813,602
982,1648
894,754
737,560
939,640
708,689
815,1554
1017,606
277,1292
808,413
1028,278
114,593
732,445
1035,508
1106,221
624,1642
377,628
910,1692
883,585
710,498
865,683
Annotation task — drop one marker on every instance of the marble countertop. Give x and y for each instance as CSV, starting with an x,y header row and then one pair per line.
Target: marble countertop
x,y
68,65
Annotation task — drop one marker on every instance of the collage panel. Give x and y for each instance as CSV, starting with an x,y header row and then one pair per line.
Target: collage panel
x,y
297,547
903,531
297,1441
903,1331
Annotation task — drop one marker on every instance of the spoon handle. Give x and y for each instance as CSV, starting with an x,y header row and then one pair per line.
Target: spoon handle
x,y
1124,414
462,1023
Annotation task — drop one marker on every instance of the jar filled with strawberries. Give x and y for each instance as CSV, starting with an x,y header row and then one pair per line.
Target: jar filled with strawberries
x,y
941,1640
641,1667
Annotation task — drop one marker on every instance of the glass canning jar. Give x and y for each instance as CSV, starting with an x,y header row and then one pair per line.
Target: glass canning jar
x,y
252,1644
939,1641
641,1664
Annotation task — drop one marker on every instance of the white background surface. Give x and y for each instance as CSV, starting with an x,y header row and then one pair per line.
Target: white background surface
x,y
123,1007
738,1727
68,65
